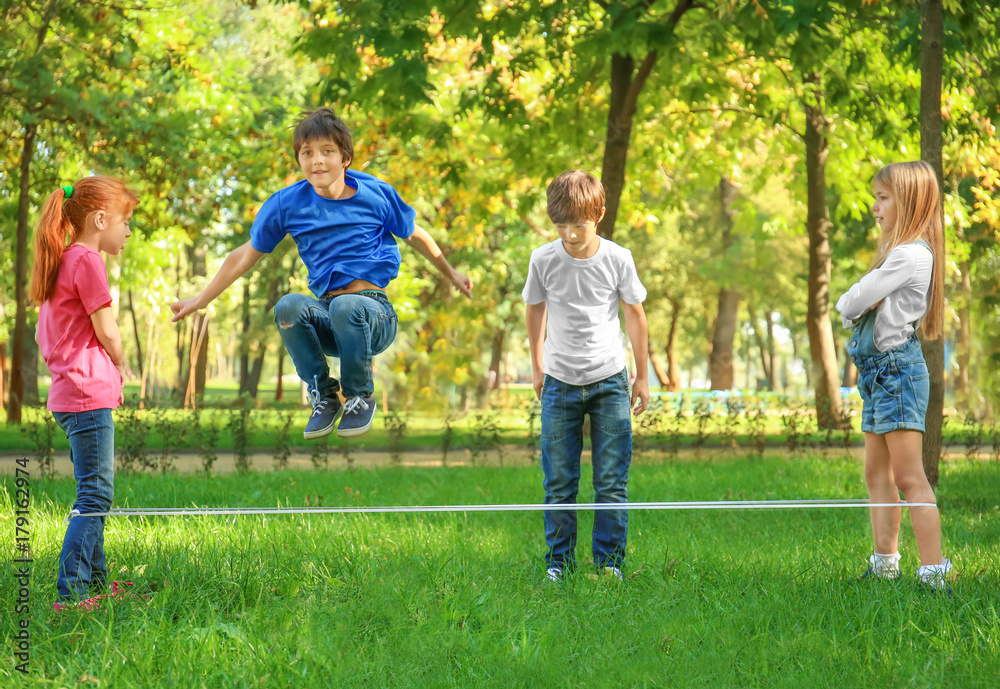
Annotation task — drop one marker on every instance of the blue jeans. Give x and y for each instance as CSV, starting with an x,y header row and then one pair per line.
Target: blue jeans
x,y
92,449
351,327
563,409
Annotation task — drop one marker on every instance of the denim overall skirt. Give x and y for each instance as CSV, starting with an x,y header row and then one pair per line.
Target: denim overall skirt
x,y
894,384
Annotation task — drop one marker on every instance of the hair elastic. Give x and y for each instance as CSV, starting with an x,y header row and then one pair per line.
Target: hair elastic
x,y
68,189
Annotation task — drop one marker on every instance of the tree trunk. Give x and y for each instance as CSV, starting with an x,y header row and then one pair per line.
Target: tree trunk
x,y
625,90
762,346
3,366
181,339
721,358
492,380
197,258
658,369
963,346
797,354
772,352
673,369
253,378
280,389
135,331
619,131
21,280
826,381
931,144
30,367
244,346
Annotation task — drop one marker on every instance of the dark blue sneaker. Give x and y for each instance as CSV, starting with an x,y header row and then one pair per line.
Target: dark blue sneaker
x,y
359,412
324,416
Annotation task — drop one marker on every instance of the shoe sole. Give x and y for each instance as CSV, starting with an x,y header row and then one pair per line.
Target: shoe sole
x,y
361,430
323,432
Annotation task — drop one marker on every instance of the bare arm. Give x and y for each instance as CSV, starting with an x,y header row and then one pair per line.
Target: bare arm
x,y
239,261
111,339
638,335
428,248
535,315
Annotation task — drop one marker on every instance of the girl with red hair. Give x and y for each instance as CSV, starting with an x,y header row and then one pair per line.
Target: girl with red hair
x,y
81,345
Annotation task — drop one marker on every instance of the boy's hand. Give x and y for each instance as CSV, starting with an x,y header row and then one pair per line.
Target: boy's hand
x,y
462,282
184,307
537,379
640,391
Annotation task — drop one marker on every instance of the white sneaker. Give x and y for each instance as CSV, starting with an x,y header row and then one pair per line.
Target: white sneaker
x,y
554,574
933,575
882,567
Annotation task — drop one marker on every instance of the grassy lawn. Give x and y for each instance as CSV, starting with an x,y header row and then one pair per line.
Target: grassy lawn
x,y
712,598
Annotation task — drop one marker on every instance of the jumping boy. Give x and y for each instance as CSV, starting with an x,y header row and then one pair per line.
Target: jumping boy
x,y
575,283
344,224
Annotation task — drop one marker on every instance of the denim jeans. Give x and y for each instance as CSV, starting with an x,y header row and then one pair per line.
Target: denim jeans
x,y
351,327
92,449
563,409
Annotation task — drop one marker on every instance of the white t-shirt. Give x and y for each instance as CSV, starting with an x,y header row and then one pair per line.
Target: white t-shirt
x,y
901,284
583,342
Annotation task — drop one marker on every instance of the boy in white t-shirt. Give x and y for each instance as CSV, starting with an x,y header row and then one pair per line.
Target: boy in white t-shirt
x,y
575,283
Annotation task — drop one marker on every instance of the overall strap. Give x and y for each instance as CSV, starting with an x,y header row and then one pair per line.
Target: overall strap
x,y
916,323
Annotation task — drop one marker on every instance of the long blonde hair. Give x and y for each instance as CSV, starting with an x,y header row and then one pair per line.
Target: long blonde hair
x,y
918,216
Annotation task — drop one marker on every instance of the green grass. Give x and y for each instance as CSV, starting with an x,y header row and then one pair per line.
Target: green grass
x,y
713,598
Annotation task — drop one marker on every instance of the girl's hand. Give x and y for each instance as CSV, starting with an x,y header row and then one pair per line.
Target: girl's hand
x,y
461,282
123,373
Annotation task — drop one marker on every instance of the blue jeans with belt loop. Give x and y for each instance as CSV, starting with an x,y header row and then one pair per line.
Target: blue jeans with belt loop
x,y
563,409
91,437
894,384
351,327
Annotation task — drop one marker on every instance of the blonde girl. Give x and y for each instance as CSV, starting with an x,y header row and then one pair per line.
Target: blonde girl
x,y
903,290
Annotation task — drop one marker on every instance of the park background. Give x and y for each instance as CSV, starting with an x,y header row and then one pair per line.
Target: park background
x,y
736,139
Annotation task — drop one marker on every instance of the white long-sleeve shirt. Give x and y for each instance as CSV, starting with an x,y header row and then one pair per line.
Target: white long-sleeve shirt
x,y
902,284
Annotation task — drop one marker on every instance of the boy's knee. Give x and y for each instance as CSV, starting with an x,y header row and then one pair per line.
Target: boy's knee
x,y
289,309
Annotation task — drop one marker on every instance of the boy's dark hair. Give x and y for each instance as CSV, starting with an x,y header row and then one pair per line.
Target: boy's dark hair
x,y
575,196
323,124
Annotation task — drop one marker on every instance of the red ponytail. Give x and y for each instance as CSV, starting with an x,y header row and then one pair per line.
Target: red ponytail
x,y
62,217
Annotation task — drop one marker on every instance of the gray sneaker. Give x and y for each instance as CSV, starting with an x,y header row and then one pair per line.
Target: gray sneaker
x,y
324,416
612,572
359,412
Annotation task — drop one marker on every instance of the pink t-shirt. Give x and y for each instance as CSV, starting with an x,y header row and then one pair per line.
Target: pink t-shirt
x,y
83,375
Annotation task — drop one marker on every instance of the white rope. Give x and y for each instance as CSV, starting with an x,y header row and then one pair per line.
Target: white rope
x,y
530,507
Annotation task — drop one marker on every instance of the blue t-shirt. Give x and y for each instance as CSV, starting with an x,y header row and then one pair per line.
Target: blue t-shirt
x,y
339,240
